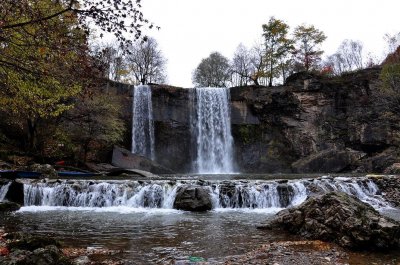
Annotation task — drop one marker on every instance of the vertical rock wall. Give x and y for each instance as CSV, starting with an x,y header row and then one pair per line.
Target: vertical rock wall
x,y
312,124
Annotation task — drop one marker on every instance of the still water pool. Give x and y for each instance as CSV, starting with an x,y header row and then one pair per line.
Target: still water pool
x,y
148,236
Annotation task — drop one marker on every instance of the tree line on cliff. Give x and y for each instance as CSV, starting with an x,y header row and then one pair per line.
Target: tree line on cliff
x,y
280,54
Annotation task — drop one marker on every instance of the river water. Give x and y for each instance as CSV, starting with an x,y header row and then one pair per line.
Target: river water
x,y
147,236
135,216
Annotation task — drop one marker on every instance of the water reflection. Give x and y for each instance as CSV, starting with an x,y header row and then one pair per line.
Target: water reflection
x,y
152,236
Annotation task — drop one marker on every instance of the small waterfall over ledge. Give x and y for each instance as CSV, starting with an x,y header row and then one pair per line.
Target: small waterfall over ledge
x,y
225,194
211,127
142,123
4,190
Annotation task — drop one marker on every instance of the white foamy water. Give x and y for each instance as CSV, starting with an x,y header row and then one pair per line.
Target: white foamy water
x,y
160,195
113,209
142,123
4,190
211,127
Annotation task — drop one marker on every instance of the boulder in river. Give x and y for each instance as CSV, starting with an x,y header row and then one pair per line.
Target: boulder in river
x,y
286,194
340,218
193,198
9,206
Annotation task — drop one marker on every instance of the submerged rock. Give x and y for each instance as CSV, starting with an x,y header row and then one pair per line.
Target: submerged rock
x,y
9,206
29,249
193,198
340,218
29,242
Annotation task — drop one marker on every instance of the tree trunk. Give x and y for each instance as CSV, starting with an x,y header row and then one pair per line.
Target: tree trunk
x,y
31,133
270,73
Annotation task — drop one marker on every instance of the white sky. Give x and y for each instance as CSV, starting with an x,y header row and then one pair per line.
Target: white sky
x,y
192,29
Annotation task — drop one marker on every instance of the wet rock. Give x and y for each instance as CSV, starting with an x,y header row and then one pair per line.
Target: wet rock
x,y
15,193
125,159
292,252
393,169
286,193
9,206
340,218
390,188
330,160
29,242
193,198
29,249
41,256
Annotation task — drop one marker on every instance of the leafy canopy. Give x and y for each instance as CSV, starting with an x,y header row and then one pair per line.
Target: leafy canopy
x,y
308,40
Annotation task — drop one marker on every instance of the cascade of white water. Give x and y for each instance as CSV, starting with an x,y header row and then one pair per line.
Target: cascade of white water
x,y
212,130
103,194
4,190
142,123
224,194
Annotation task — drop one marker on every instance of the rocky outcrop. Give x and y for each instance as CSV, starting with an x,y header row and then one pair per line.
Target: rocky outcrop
x,y
340,218
389,187
125,159
330,160
193,198
28,249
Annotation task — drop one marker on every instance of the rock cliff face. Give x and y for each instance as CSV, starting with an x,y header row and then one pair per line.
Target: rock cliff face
x,y
312,124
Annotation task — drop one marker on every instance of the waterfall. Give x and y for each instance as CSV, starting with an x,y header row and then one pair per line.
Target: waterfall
x,y
211,127
102,194
142,123
4,190
231,194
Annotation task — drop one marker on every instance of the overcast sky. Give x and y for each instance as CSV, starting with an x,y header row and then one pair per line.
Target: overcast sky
x,y
192,29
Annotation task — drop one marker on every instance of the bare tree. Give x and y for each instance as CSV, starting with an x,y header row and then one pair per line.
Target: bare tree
x,y
393,41
257,60
347,58
146,62
351,51
241,66
213,71
336,63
